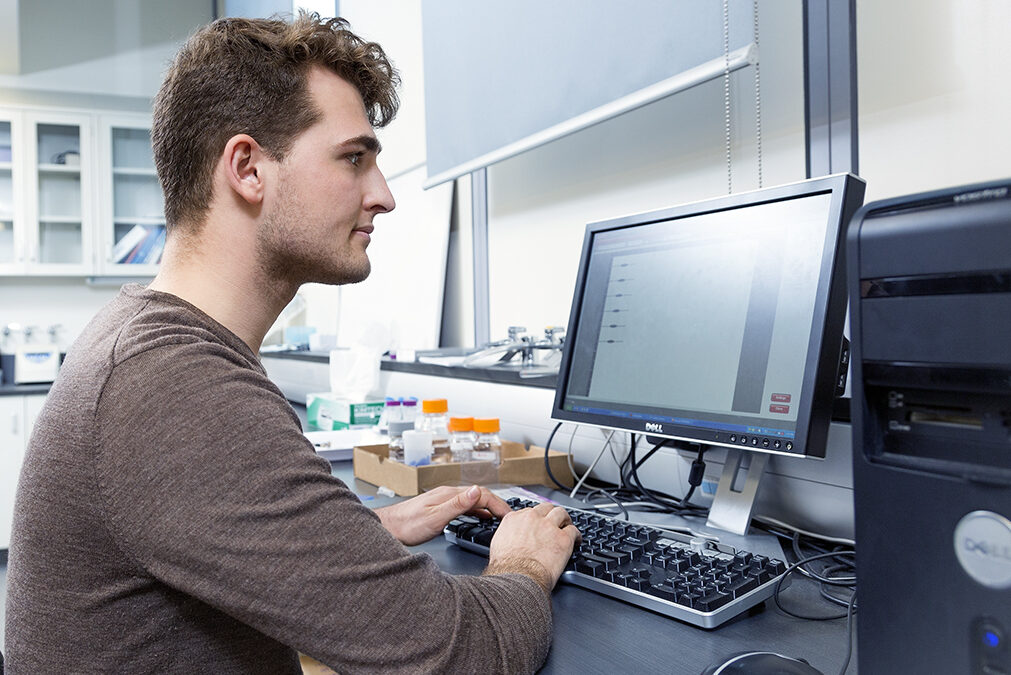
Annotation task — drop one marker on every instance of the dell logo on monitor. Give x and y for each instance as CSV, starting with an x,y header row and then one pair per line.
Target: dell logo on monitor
x,y
652,426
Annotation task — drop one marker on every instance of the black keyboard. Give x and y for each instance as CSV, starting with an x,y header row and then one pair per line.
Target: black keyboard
x,y
698,581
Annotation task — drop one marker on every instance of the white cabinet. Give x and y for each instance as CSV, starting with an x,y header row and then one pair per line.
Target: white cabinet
x,y
61,190
17,416
12,210
132,214
79,195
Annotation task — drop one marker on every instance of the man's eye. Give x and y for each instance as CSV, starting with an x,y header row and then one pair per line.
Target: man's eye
x,y
356,158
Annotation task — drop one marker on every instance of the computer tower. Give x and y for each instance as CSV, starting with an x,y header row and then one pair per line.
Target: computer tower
x,y
930,294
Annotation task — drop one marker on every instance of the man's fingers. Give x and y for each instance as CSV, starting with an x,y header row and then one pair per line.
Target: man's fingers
x,y
477,501
573,533
495,504
558,516
544,508
465,500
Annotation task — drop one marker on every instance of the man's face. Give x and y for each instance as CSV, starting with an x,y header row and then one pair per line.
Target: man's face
x,y
319,220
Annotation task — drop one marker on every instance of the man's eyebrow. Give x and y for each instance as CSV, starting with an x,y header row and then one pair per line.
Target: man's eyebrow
x,y
370,143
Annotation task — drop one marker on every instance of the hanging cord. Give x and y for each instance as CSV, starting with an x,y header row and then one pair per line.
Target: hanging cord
x,y
547,464
698,471
758,97
726,89
593,464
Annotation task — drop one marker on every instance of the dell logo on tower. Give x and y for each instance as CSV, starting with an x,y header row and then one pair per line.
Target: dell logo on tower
x,y
652,426
983,548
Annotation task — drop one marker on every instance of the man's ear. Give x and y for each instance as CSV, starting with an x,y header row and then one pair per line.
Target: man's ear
x,y
245,165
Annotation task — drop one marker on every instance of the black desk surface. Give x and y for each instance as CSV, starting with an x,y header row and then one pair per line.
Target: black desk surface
x,y
597,634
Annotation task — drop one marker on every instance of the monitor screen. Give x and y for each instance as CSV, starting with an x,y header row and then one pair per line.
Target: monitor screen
x,y
718,322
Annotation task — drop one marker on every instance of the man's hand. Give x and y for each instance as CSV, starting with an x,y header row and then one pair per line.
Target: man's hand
x,y
536,542
421,518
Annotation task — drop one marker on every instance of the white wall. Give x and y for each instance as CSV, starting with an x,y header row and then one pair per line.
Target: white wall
x,y
44,302
396,25
934,101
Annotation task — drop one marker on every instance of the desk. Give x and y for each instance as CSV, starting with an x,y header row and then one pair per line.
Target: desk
x,y
597,634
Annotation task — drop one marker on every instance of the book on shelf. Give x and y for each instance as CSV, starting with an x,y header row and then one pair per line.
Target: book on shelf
x,y
121,251
159,245
139,255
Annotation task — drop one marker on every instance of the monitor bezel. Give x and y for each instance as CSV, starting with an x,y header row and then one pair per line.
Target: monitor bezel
x,y
818,390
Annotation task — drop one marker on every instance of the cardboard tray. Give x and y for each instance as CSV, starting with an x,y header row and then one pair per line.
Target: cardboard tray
x,y
520,466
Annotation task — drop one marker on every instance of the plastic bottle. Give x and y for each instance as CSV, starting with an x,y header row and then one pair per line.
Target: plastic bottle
x,y
461,438
391,413
417,447
434,418
488,446
397,430
409,409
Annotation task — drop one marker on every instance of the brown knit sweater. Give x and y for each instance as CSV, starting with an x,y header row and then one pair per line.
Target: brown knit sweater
x,y
172,518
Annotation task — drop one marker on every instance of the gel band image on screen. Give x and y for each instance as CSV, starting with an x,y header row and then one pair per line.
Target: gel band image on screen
x,y
710,322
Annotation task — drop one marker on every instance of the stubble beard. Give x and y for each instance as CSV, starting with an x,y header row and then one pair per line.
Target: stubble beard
x,y
286,255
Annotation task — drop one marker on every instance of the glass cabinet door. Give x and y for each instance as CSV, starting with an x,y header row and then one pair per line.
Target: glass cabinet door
x,y
61,242
7,245
137,221
12,254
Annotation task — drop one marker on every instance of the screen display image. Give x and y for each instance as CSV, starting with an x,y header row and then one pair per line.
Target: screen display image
x,y
709,322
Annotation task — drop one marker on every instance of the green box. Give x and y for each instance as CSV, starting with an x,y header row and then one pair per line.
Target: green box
x,y
329,412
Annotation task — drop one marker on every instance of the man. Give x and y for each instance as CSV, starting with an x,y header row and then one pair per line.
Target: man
x,y
171,516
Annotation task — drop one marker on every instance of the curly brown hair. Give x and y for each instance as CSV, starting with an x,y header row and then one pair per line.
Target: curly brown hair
x,y
249,76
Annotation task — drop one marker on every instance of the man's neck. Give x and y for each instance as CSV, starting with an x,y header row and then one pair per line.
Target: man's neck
x,y
226,287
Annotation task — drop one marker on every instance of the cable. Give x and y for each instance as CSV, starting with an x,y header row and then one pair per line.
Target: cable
x,y
850,610
635,473
547,464
572,465
790,528
596,459
695,476
793,568
611,497
808,572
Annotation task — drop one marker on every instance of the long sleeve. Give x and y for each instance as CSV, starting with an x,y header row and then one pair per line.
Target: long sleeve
x,y
209,486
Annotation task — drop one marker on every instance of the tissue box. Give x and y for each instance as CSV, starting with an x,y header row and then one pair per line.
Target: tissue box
x,y
520,466
329,412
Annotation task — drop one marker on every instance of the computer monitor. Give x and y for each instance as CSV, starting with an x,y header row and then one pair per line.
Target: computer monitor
x,y
717,322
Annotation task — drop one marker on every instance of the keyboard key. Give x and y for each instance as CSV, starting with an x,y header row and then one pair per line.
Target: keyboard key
x,y
481,535
724,561
620,556
636,583
594,568
635,541
641,571
712,601
665,591
743,586
686,599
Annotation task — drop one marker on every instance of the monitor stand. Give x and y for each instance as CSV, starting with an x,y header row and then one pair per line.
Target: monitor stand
x,y
732,508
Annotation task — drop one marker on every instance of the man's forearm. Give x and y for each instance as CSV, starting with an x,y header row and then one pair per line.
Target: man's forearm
x,y
524,566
